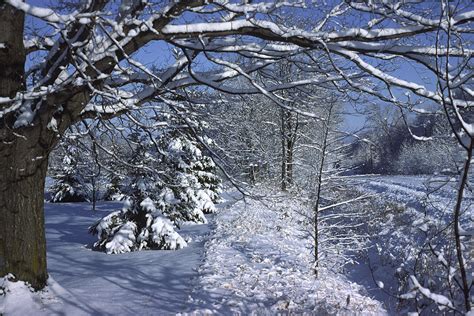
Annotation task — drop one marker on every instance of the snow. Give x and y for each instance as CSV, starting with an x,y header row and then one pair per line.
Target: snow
x,y
86,282
123,240
148,205
257,262
252,257
53,125
85,20
164,233
43,13
439,299
414,217
20,298
243,265
26,115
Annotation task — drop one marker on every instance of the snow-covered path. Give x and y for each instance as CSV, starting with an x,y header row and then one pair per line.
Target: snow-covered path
x,y
410,188
435,195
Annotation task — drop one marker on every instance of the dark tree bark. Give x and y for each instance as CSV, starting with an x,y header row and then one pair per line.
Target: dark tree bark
x,y
289,132
12,55
23,165
22,238
465,286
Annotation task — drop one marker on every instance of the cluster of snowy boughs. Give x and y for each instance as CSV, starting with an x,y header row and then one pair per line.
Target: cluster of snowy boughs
x,y
171,184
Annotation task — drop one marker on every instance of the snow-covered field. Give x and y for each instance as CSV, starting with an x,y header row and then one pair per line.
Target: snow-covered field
x,y
251,258
253,262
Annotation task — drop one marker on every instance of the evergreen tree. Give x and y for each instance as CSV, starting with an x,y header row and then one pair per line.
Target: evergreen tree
x,y
171,182
139,225
191,187
114,188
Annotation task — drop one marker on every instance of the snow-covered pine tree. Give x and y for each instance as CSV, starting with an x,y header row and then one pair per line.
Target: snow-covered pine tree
x,y
206,173
69,183
139,224
191,186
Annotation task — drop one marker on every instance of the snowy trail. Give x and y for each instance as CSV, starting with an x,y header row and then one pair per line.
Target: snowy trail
x,y
88,282
414,187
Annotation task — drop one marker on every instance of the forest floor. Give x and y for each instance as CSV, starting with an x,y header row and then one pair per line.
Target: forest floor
x,y
251,258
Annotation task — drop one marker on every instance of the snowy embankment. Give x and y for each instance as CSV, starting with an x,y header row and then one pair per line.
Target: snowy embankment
x,y
412,210
258,262
86,282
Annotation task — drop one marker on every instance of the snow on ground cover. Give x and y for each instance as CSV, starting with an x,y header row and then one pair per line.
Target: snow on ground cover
x,y
20,298
257,263
410,210
86,282
431,197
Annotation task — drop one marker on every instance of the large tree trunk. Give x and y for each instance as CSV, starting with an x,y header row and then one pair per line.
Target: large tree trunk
x,y
23,164
12,52
22,237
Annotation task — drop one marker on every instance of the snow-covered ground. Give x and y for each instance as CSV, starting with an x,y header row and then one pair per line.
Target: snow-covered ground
x,y
254,261
251,258
257,262
86,282
411,210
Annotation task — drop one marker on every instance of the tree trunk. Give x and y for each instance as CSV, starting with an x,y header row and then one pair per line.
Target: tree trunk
x,y
466,287
23,164
319,188
22,237
289,162
283,151
12,54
